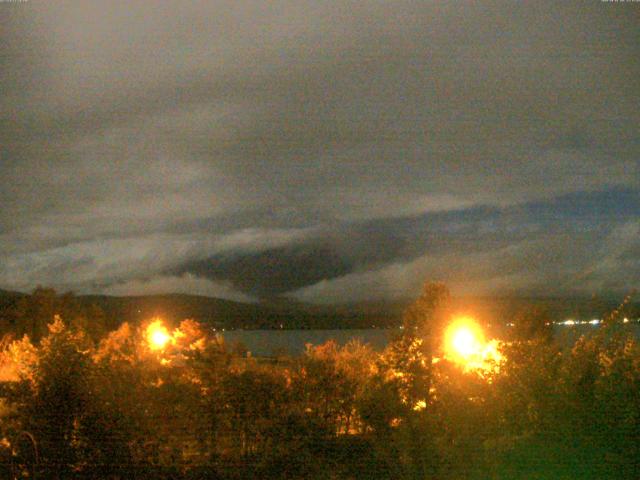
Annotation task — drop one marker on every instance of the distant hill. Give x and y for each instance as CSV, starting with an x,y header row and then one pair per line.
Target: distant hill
x,y
219,313
10,294
229,314
289,314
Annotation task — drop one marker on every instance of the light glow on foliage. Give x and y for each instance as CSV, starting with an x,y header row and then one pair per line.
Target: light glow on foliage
x,y
157,335
465,344
420,405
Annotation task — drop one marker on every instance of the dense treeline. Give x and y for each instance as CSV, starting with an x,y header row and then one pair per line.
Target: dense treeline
x,y
29,314
148,402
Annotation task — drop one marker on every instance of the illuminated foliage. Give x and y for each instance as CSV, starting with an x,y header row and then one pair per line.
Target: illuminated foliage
x,y
159,401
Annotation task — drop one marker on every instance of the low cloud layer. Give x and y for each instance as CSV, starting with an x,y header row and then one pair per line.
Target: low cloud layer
x,y
328,152
187,283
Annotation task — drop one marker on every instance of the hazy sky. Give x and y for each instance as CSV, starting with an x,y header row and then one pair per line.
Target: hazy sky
x,y
329,151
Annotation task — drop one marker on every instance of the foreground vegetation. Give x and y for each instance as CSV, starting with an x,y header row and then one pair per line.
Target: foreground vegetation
x,y
145,401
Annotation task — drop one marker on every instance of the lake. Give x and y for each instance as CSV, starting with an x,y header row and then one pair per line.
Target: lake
x,y
268,342
292,342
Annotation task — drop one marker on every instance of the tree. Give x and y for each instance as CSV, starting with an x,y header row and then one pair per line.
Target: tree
x,y
31,314
532,323
407,365
250,401
428,314
410,357
329,381
60,396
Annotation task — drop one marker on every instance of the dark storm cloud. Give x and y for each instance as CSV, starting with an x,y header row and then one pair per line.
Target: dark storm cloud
x,y
206,146
274,271
559,235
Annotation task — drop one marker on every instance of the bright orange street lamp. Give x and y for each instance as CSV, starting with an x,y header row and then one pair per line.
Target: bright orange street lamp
x,y
157,335
463,340
465,344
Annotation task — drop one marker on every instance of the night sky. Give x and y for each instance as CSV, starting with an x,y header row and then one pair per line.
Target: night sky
x,y
326,151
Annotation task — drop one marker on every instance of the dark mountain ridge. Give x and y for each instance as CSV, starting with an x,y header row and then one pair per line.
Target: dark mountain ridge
x,y
284,313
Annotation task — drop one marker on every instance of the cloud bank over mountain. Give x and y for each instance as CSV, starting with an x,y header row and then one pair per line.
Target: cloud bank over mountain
x,y
330,152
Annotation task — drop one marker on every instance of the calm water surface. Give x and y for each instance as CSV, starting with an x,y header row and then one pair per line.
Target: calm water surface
x,y
292,342
268,342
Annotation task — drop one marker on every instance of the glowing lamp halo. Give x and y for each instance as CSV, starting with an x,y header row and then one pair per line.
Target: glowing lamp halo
x,y
463,340
157,335
466,345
